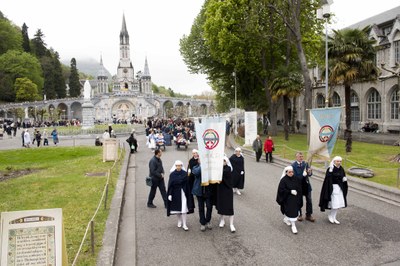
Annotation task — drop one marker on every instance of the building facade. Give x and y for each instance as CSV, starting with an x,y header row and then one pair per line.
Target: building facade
x,y
375,102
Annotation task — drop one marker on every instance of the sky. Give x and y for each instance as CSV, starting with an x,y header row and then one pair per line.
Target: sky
x,y
88,29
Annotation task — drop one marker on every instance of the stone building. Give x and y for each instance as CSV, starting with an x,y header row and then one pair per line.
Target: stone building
x,y
377,101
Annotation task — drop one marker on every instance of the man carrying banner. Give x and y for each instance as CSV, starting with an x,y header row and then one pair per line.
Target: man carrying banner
x,y
302,171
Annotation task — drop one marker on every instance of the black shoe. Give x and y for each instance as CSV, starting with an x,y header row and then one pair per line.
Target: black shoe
x,y
151,205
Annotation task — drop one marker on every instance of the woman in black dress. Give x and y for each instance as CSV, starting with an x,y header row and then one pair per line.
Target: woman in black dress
x,y
225,196
289,197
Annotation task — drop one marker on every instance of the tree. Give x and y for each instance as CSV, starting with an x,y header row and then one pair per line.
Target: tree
x,y
59,80
286,86
351,59
10,36
38,44
74,84
299,17
17,64
26,90
7,92
26,45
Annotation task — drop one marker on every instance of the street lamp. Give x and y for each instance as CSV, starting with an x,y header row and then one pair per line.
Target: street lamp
x,y
235,126
324,13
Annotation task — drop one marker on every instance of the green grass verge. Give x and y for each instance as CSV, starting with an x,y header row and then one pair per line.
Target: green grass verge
x,y
61,182
377,157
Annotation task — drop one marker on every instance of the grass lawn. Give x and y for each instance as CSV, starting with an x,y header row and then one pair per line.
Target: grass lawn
x,y
376,157
59,181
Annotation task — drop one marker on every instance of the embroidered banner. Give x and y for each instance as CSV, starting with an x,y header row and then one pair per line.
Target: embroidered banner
x,y
210,134
324,125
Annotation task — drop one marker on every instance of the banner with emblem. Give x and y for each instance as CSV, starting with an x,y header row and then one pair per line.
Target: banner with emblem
x,y
210,134
324,125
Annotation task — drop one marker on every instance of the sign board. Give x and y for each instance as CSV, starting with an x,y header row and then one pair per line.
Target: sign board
x,y
250,126
34,237
110,150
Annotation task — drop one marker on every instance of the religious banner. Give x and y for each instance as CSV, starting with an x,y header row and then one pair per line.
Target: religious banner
x,y
250,127
324,125
34,237
210,134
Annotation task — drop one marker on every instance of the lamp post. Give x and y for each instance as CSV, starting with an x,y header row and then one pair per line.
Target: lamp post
x,y
324,13
235,126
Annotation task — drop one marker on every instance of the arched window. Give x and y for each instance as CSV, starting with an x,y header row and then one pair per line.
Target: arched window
x,y
320,101
355,110
394,104
335,99
374,105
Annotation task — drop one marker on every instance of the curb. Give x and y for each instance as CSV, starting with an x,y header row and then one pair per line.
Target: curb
x,y
372,189
106,255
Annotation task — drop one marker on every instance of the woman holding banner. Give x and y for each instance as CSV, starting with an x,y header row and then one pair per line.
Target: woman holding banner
x,y
237,162
180,200
225,196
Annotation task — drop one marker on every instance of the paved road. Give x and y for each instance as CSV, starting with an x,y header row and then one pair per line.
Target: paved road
x,y
369,233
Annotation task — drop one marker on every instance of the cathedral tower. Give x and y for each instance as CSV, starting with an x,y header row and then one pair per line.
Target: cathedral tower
x,y
125,80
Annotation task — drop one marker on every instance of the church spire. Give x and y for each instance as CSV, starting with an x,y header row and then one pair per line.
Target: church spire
x,y
146,71
124,36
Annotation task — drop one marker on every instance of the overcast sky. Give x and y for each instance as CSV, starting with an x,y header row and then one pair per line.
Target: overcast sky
x,y
88,29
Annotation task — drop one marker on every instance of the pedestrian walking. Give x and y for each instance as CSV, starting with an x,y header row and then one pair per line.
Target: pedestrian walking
x,y
180,200
204,195
192,163
258,147
334,189
303,171
27,139
237,162
54,134
156,172
289,197
45,138
22,137
106,135
132,143
38,138
225,196
268,149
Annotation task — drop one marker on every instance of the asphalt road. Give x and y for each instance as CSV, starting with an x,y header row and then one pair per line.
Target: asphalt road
x,y
369,233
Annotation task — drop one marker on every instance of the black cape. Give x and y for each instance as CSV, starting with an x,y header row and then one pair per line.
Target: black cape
x,y
336,176
238,167
178,181
290,204
225,193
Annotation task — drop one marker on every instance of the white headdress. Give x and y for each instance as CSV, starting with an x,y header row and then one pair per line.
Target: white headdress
x,y
177,162
336,158
226,159
287,168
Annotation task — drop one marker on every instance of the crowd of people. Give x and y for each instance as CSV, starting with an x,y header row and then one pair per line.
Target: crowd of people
x,y
185,183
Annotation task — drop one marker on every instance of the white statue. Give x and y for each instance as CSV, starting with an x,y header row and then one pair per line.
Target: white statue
x,y
86,90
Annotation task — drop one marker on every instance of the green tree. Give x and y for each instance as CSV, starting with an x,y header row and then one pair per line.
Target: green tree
x,y
59,80
74,84
17,64
10,36
38,44
26,45
26,90
286,86
7,92
351,59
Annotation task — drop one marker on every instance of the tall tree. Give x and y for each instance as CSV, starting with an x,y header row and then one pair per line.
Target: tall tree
x,y
351,59
74,84
26,45
7,92
10,36
38,44
59,80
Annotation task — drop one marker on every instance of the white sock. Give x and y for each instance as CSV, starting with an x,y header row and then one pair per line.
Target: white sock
x,y
179,218
293,223
333,213
231,220
184,219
